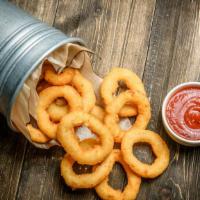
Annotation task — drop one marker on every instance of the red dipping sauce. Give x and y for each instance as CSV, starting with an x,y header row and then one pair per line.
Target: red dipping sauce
x,y
183,113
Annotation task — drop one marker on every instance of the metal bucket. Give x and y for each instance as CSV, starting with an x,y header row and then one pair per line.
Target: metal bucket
x,y
24,43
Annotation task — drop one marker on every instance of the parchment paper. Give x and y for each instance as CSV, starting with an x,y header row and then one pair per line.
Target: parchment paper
x,y
24,109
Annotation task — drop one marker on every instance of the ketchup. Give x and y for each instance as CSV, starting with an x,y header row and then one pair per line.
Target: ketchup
x,y
183,113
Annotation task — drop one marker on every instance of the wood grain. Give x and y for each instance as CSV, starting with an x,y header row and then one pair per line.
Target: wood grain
x,y
12,151
172,59
160,41
111,30
45,10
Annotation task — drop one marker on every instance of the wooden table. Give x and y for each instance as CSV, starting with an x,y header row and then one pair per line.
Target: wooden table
x,y
160,41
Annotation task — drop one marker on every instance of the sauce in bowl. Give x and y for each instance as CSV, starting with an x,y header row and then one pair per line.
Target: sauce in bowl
x,y
183,112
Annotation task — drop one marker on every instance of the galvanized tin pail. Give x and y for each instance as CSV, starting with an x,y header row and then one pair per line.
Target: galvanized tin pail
x,y
24,43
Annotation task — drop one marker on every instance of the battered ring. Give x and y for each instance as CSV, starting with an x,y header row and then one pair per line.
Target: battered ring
x,y
135,98
110,85
159,148
69,141
131,190
46,97
88,180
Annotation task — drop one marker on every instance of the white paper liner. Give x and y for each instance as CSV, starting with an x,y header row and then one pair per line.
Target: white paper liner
x,y
72,55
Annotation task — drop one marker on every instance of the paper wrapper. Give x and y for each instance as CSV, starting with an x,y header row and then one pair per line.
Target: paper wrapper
x,y
24,109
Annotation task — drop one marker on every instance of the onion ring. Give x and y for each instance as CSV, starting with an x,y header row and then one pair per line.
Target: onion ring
x,y
110,85
85,89
88,180
142,119
46,97
68,139
98,112
132,188
52,77
57,110
159,147
36,135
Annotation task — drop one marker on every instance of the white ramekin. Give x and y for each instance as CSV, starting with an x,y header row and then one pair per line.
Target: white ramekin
x,y
170,132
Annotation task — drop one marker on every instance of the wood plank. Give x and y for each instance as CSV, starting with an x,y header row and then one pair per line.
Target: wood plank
x,y
97,22
39,165
172,59
112,30
12,150
44,10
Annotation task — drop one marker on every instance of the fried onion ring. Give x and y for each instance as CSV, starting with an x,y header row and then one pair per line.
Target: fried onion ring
x,y
52,77
110,85
159,148
88,180
85,89
70,142
57,110
98,112
132,188
135,98
36,135
49,95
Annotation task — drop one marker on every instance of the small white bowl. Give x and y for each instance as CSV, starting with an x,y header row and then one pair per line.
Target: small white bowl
x,y
170,132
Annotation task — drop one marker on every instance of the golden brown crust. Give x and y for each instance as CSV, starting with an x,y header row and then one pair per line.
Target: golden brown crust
x,y
52,77
85,89
110,85
159,148
88,180
112,118
46,97
98,112
105,191
68,139
36,135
